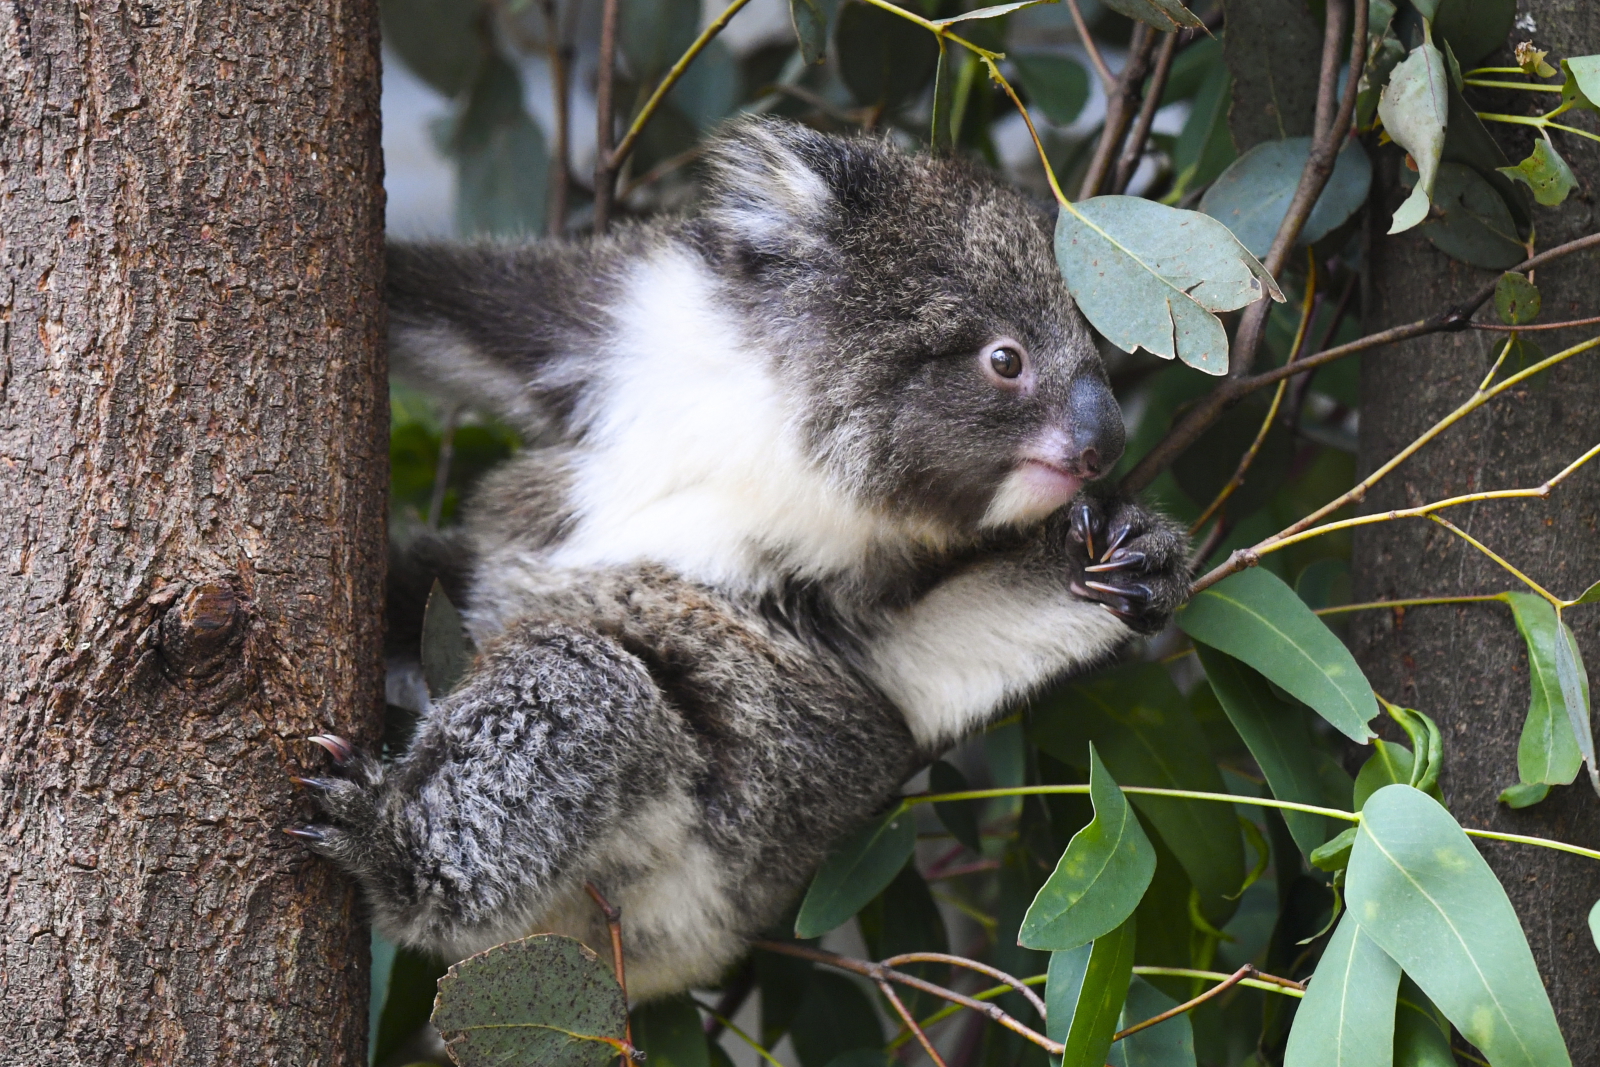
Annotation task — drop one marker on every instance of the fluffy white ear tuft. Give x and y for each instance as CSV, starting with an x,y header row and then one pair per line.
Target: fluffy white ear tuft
x,y
766,183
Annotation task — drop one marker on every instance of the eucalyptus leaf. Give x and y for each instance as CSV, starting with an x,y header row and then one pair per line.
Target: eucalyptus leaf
x,y
501,162
652,34
1523,795
709,89
1467,140
810,29
1415,107
1149,276
446,650
438,40
836,1019
1474,28
1422,892
1334,855
1472,221
1252,196
883,58
1594,923
545,999
959,817
1421,1035
1204,147
857,870
1516,299
1574,682
1389,764
670,1034
1547,751
1545,172
1056,84
1582,85
1532,61
1348,1013
1167,1044
1165,15
1100,878
411,984
1084,995
993,12
1384,55
1277,736
1255,617
941,137
1590,595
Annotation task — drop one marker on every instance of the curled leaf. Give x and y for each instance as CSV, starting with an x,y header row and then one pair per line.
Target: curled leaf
x,y
1545,172
1414,107
1532,61
1582,85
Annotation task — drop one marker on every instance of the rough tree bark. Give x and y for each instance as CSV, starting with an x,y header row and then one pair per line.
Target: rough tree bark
x,y
1465,665
192,471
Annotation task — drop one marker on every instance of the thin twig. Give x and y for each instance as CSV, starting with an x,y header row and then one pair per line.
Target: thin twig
x,y
971,965
1413,602
1133,150
1200,417
1247,971
613,916
1538,326
1120,103
1555,601
1107,79
561,90
905,1017
605,174
975,867
759,1048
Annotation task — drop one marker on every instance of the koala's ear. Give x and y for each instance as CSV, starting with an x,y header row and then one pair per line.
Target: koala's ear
x,y
773,184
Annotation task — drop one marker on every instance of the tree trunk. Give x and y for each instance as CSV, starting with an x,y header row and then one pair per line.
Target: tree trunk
x,y
1465,665
192,434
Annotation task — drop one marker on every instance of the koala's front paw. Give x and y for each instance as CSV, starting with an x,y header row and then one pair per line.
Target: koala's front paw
x,y
1127,558
349,801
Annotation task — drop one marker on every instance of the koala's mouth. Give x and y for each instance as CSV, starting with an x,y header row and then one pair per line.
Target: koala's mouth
x,y
1032,490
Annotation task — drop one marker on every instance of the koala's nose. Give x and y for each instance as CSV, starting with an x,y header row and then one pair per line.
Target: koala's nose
x,y
1097,433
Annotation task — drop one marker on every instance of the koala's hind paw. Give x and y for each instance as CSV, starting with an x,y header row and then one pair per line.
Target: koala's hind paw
x,y
1128,559
350,802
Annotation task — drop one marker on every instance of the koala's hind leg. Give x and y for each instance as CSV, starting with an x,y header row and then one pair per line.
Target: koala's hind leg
x,y
465,840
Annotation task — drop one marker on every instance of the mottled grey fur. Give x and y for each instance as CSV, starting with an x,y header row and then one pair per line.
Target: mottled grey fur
x,y
704,657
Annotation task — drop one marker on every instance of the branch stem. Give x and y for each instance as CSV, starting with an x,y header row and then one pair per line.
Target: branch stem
x,y
1133,150
1413,602
1247,971
1107,79
1132,790
605,175
1120,101
1537,326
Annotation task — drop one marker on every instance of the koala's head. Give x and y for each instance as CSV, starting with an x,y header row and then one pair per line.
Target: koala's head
x,y
915,307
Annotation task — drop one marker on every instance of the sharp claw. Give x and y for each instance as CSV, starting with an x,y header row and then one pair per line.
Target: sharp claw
x,y
1102,587
313,783
305,833
1082,524
1119,536
341,750
1118,562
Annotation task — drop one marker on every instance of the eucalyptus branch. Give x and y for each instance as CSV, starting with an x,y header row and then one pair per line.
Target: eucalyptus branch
x,y
1107,79
1247,971
911,1024
1131,790
605,175
971,965
1538,326
1210,408
1133,150
1412,602
561,90
1542,122
1526,87
1555,601
1120,102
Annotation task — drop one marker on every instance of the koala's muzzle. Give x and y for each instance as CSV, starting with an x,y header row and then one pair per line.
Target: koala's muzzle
x,y
1096,433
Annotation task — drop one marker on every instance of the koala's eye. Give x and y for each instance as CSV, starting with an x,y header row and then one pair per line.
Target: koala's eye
x,y
1006,362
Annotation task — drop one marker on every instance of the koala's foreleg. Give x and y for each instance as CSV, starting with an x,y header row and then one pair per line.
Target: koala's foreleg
x,y
552,737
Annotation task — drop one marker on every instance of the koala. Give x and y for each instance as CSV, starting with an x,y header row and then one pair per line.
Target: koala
x,y
805,501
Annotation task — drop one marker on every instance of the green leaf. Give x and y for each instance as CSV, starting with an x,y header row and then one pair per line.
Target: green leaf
x,y
446,650
1204,148
410,983
1427,744
1547,752
1423,893
1532,61
837,1018
1389,764
1590,595
438,40
1594,923
1058,85
959,817
501,163
1334,855
1347,1016
1252,196
1142,728
653,34
545,999
1574,681
1168,1044
1277,735
1150,276
1421,1033
1165,15
1100,878
1516,299
783,981
883,58
1255,617
1545,172
1084,995
1414,107
811,29
1523,795
1582,85
1474,28
1273,50
941,138
709,89
856,871
1473,222
670,1034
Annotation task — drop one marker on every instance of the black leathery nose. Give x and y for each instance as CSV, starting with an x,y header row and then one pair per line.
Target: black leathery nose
x,y
1098,436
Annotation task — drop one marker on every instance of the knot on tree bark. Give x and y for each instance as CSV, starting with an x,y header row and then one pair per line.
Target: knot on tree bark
x,y
202,630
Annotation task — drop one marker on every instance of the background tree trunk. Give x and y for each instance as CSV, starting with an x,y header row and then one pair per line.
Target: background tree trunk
x,y
192,434
1465,665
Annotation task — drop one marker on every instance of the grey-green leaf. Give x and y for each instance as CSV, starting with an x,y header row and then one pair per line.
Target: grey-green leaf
x,y
1389,764
1421,1034
1582,85
1165,15
1085,993
446,650
1415,107
1474,28
1346,1018
993,12
1334,855
959,817
811,29
1100,878
1421,891
1547,752
1057,84
439,40
501,162
670,1034
652,34
883,59
1255,617
1472,222
1276,734
1252,196
545,999
1516,299
1168,1044
856,871
1574,682
1545,172
1149,276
